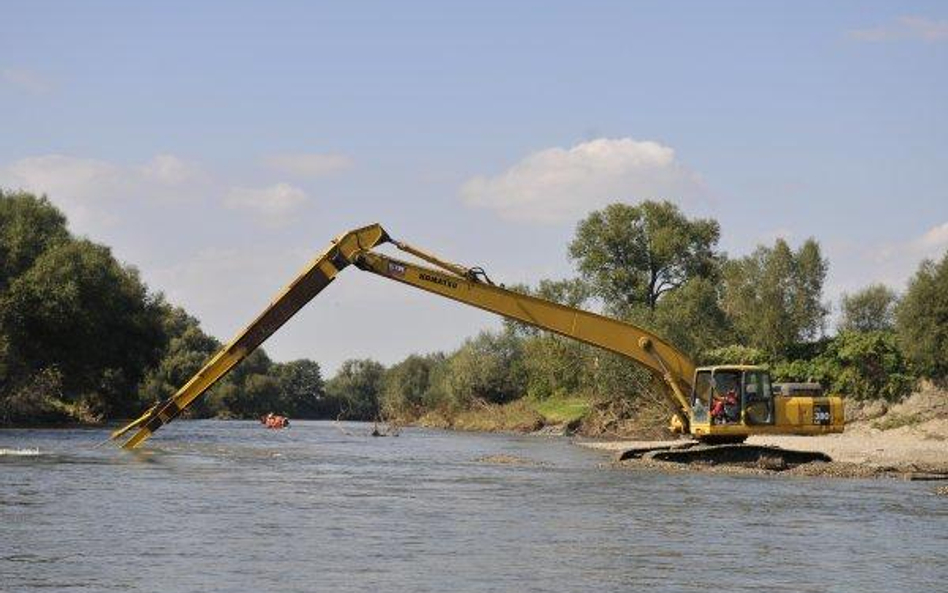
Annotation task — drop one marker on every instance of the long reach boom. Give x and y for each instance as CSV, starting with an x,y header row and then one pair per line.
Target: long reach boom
x,y
467,285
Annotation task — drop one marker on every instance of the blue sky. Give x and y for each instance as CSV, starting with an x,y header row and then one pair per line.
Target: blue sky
x,y
217,146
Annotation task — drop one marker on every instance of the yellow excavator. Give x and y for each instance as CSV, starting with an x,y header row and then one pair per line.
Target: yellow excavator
x,y
718,404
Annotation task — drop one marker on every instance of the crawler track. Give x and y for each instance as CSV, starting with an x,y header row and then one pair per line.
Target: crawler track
x,y
774,458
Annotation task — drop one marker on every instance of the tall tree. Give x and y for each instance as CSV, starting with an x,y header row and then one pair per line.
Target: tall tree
x,y
405,385
636,254
302,390
773,296
870,309
355,389
80,311
29,225
488,367
691,318
922,319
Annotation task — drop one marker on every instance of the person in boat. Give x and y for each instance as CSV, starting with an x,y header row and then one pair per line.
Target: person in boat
x,y
272,420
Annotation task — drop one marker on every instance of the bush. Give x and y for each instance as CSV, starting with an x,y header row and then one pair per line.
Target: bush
x,y
860,365
487,368
78,309
405,386
734,354
922,320
870,309
354,391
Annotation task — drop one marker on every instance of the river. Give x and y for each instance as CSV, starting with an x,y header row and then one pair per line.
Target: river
x,y
213,506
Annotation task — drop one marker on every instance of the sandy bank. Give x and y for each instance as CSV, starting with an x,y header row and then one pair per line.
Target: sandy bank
x,y
908,440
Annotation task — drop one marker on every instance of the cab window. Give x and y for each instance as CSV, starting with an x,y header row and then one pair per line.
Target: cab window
x,y
701,399
726,398
758,398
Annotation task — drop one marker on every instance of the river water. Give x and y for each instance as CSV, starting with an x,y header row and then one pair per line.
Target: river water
x,y
229,506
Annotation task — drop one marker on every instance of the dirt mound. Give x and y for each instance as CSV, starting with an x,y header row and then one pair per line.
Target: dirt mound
x,y
642,419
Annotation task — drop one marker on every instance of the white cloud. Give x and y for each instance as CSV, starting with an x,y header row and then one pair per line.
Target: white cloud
x,y
308,164
934,241
168,169
891,263
274,203
79,186
25,80
558,184
89,190
905,27
58,174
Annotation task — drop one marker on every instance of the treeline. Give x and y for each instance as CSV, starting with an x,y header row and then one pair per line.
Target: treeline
x,y
82,338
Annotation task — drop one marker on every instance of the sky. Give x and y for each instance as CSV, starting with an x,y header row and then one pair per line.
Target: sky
x,y
218,146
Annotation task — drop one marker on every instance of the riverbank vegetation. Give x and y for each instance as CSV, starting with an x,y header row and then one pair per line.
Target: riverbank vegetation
x,y
82,339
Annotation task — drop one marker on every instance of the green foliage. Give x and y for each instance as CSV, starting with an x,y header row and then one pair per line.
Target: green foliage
x,y
78,310
354,392
568,409
922,319
187,351
486,368
616,378
691,318
407,384
302,389
555,366
734,354
632,255
773,296
36,400
860,365
870,309
28,227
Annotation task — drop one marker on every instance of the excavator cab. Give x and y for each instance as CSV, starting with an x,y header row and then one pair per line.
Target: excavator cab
x,y
731,402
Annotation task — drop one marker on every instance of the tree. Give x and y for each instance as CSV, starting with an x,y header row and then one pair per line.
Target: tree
x,y
302,390
406,384
244,393
860,365
922,319
637,254
555,366
870,309
488,368
355,389
691,318
773,296
28,227
80,311
188,349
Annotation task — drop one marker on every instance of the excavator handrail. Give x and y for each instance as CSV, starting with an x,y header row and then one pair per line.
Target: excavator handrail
x,y
453,281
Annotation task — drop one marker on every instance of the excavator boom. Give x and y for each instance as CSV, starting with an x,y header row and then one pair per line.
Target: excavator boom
x,y
466,285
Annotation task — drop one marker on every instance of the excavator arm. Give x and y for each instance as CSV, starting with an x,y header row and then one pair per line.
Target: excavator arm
x,y
466,285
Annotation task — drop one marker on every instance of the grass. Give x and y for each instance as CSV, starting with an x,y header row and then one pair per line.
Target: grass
x,y
522,415
559,410
891,421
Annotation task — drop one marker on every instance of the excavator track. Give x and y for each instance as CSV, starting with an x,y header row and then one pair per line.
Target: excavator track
x,y
694,452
